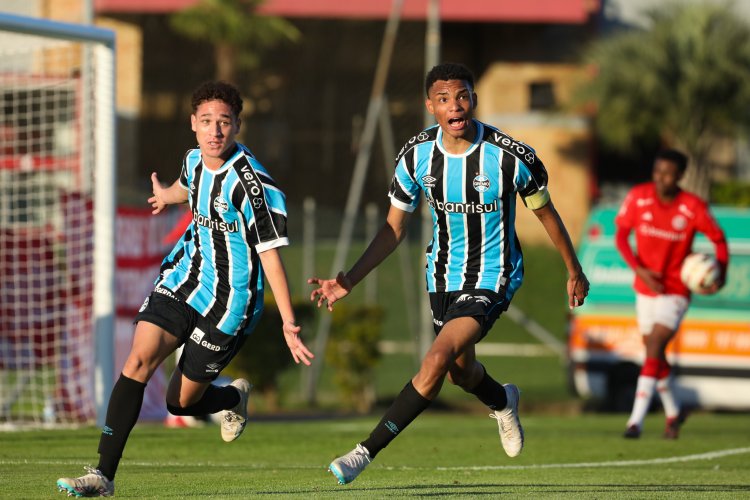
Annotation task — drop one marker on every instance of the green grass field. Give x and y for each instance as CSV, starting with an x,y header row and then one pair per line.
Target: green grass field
x,y
440,455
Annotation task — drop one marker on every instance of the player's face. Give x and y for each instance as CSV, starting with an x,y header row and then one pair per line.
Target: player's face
x,y
453,102
215,127
666,175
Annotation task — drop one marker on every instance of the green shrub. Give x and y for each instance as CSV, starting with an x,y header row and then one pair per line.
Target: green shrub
x,y
352,352
732,193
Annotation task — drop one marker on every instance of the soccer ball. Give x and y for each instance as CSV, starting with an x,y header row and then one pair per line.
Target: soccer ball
x,y
699,270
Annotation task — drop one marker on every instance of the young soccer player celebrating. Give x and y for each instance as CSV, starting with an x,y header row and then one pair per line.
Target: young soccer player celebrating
x,y
209,293
665,219
469,173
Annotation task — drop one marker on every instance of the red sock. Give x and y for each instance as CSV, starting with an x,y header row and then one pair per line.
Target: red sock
x,y
650,368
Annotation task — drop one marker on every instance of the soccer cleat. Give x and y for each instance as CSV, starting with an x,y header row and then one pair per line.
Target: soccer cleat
x,y
349,466
632,432
234,420
93,484
672,428
511,432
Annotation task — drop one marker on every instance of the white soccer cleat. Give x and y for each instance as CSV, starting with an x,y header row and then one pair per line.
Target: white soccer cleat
x,y
233,421
348,467
511,432
93,484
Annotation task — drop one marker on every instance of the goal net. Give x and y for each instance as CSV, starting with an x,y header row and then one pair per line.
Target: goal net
x,y
56,221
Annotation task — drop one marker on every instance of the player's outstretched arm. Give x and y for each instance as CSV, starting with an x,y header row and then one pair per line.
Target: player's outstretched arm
x,y
577,285
382,245
163,196
274,270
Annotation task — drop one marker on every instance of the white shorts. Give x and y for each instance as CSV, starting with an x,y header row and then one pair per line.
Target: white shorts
x,y
666,310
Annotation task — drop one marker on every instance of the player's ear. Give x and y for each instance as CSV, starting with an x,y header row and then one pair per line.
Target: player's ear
x,y
193,123
473,100
238,123
428,104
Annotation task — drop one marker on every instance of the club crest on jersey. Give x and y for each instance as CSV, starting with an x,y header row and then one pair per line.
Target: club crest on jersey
x,y
679,222
429,181
221,205
481,183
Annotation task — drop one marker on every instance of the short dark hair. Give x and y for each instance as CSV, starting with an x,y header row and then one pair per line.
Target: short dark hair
x,y
448,71
677,157
218,91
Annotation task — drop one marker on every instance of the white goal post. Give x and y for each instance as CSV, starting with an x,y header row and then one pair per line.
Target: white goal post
x,y
57,222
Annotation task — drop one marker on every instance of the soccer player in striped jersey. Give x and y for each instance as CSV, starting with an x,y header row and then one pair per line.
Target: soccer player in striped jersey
x,y
209,294
665,219
469,173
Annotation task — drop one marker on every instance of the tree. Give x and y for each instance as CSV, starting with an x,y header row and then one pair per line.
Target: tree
x,y
238,33
683,81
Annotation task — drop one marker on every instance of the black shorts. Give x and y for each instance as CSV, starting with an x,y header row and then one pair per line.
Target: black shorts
x,y
206,349
483,305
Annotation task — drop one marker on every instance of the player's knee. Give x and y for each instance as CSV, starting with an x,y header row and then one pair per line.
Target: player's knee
x,y
436,363
137,369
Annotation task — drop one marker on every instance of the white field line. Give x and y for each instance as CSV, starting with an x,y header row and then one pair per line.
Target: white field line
x,y
711,455
615,463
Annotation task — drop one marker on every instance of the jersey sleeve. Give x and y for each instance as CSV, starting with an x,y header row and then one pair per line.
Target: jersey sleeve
x,y
404,190
185,171
531,183
706,224
625,217
264,206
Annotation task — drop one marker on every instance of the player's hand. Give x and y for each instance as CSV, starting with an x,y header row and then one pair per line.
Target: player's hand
x,y
578,289
652,279
157,200
330,290
713,287
300,352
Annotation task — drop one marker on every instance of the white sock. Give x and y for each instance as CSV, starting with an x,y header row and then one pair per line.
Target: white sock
x,y
644,391
664,388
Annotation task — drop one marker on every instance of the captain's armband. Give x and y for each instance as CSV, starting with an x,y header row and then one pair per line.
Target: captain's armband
x,y
537,200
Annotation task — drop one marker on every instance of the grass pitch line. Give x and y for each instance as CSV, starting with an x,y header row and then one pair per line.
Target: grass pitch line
x,y
615,463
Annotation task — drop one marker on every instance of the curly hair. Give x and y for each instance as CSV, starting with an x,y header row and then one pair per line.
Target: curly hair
x,y
448,71
218,91
677,157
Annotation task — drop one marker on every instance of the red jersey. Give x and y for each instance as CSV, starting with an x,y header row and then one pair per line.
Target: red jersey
x,y
664,234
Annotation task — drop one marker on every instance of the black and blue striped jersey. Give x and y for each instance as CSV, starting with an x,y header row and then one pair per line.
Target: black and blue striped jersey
x,y
472,197
238,212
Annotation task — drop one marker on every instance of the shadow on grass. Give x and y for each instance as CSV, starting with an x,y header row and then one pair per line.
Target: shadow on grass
x,y
495,489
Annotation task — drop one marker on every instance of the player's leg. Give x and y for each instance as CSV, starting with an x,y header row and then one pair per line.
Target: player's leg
x,y
485,306
660,317
454,338
645,308
151,345
670,311
472,377
206,353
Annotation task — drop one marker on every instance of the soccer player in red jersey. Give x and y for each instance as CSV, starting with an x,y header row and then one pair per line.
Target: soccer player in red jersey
x,y
665,219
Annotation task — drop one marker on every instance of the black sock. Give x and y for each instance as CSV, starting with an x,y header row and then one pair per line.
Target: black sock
x,y
214,400
122,413
407,406
490,392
